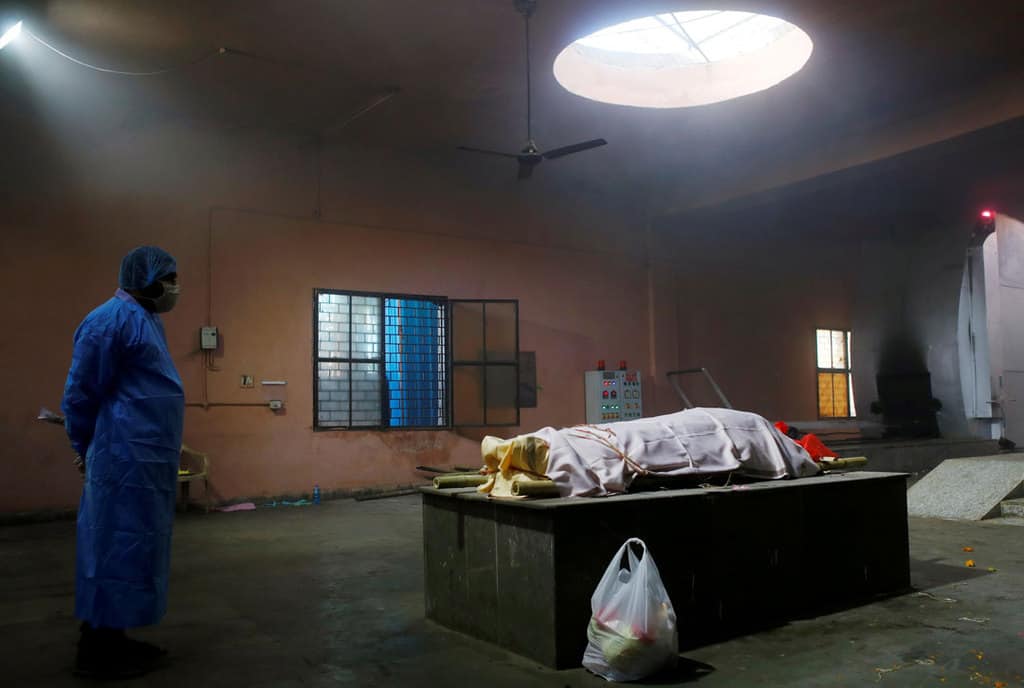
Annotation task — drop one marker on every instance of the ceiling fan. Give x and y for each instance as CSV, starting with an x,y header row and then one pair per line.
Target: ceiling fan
x,y
530,156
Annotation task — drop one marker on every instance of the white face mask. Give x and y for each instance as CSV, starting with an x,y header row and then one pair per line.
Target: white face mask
x,y
167,300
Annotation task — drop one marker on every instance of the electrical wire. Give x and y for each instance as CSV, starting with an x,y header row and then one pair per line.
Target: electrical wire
x,y
105,70
206,379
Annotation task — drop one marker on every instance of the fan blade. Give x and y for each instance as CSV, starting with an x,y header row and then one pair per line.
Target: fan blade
x,y
574,148
525,169
487,152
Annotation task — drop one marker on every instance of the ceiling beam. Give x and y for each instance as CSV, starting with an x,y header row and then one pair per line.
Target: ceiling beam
x,y
998,100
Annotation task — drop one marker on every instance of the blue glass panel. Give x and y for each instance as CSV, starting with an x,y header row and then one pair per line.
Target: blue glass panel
x,y
414,349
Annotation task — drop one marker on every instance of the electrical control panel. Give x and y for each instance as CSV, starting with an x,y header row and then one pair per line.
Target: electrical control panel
x,y
613,395
208,338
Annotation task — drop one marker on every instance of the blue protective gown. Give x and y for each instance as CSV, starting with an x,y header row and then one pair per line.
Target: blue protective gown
x,y
125,408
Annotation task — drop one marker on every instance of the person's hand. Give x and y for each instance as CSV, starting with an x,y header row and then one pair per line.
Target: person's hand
x,y
79,463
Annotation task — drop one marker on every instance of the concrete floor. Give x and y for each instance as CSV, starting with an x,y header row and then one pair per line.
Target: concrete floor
x,y
332,595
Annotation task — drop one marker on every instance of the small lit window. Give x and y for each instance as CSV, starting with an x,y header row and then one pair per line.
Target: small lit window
x,y
835,375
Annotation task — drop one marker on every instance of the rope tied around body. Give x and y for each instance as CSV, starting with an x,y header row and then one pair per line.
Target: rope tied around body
x,y
604,436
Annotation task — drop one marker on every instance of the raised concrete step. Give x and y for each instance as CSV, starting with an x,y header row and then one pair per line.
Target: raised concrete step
x,y
1012,508
968,489
913,456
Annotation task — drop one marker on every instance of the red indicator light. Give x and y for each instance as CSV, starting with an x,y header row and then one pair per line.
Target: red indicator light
x,y
987,214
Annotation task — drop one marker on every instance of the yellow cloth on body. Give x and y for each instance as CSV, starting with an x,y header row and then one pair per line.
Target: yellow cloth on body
x,y
508,461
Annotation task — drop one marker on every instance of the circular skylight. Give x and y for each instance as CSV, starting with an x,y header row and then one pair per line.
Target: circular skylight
x,y
681,59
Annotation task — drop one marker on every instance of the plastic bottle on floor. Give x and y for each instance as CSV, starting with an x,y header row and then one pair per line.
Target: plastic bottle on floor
x,y
316,494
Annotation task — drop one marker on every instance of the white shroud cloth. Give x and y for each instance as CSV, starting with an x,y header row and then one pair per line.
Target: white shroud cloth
x,y
597,460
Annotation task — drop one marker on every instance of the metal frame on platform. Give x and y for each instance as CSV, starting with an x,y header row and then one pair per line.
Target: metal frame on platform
x,y
673,376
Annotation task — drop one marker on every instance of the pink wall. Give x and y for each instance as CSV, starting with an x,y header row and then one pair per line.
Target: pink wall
x,y
757,337
575,262
750,293
264,271
592,279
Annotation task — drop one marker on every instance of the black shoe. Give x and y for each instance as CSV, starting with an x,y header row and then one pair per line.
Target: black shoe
x,y
108,654
141,648
107,666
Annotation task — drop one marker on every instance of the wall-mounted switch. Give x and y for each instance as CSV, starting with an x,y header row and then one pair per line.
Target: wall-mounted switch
x,y
208,338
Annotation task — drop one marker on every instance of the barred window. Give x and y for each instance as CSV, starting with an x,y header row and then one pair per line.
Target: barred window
x,y
835,374
384,361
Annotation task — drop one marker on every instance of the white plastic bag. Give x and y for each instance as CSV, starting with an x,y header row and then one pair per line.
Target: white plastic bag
x,y
632,629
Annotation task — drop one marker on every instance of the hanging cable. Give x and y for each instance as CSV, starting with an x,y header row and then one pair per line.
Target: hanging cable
x,y
155,72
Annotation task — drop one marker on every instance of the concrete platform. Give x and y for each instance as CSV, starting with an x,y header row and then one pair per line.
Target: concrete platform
x,y
332,596
969,489
521,573
912,456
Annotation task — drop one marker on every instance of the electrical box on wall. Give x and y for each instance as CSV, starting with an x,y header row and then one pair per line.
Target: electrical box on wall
x,y
613,395
207,338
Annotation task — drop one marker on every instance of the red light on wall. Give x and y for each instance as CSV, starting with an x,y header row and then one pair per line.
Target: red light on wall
x,y
987,214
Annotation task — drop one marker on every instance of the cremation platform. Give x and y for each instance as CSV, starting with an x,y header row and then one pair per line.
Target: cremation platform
x,y
520,573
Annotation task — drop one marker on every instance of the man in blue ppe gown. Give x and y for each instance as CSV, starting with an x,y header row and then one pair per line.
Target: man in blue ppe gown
x,y
124,408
